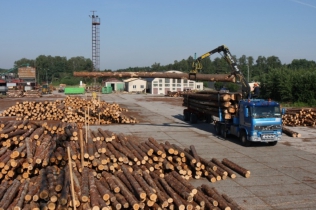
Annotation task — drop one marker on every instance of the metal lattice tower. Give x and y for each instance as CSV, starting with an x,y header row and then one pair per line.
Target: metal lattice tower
x,y
95,41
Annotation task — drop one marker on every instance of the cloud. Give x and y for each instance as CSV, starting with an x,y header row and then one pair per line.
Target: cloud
x,y
309,5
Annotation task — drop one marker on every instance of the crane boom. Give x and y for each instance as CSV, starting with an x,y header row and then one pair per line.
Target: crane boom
x,y
197,66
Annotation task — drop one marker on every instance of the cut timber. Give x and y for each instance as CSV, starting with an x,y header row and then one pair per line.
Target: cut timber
x,y
289,132
236,167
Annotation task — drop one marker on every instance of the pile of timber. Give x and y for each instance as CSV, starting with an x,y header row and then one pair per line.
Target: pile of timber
x,y
208,102
299,117
14,93
62,170
32,94
71,109
178,93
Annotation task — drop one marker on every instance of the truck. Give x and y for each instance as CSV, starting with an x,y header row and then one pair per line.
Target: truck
x,y
255,120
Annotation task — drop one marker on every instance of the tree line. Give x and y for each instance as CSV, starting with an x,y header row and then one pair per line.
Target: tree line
x,y
294,82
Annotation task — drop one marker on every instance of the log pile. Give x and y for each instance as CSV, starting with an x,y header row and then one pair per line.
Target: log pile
x,y
208,102
299,117
32,94
71,109
103,171
178,93
14,93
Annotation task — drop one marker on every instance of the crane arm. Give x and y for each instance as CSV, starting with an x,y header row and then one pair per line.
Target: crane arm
x,y
197,66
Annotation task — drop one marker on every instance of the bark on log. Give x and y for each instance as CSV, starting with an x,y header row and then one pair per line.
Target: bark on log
x,y
244,172
9,195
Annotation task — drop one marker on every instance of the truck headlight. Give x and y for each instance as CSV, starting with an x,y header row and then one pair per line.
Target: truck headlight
x,y
279,132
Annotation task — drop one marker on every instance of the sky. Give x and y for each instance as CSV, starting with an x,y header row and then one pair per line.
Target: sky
x,y
138,33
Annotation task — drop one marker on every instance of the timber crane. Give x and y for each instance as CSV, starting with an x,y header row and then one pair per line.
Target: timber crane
x,y
197,66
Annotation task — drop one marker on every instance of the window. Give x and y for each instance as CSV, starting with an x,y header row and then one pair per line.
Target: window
x,y
198,86
174,80
178,80
155,81
178,85
134,86
160,88
167,85
173,85
173,89
160,85
155,85
185,81
160,80
167,80
142,86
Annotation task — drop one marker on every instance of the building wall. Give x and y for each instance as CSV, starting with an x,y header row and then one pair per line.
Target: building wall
x,y
163,85
136,85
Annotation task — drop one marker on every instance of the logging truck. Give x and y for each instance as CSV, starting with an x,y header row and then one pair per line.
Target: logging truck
x,y
252,120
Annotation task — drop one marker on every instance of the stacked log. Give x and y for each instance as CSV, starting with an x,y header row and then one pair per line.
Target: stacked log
x,y
178,93
208,102
117,171
71,109
299,117
14,93
32,93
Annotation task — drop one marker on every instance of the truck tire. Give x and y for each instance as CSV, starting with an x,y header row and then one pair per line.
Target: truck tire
x,y
217,128
273,143
193,118
243,139
186,115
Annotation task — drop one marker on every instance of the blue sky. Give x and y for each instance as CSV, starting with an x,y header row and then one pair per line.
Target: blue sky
x,y
142,32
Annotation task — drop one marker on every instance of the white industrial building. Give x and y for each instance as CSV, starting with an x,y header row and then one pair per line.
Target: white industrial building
x,y
135,85
163,85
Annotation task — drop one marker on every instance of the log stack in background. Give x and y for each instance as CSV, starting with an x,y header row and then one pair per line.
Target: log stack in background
x,y
178,93
14,93
32,93
118,171
299,117
209,101
71,109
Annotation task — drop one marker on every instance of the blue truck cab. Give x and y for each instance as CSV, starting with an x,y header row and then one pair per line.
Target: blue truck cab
x,y
257,120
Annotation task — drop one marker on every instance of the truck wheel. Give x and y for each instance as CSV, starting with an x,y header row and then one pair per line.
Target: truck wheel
x,y
273,143
243,139
186,115
217,128
193,118
223,131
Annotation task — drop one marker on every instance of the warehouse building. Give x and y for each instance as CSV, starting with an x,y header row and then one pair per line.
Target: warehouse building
x,y
163,85
135,85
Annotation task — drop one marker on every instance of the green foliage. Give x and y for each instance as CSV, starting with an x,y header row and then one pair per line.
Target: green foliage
x,y
70,81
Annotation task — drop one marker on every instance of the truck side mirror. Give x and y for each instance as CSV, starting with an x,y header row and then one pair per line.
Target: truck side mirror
x,y
283,111
246,112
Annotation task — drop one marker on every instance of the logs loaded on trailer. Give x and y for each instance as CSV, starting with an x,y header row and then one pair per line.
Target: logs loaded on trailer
x,y
208,102
52,166
71,109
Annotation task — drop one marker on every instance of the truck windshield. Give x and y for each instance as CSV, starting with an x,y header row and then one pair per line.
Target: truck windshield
x,y
266,111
